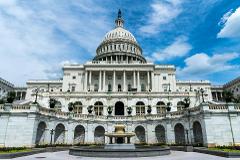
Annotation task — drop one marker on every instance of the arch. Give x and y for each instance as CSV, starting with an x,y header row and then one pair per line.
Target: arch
x,y
79,134
140,103
119,108
59,136
159,103
160,134
197,133
41,132
179,134
99,137
140,134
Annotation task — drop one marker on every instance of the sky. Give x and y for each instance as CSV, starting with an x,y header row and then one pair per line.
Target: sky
x,y
201,37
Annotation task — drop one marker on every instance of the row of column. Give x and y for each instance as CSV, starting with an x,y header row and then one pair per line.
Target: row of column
x,y
102,80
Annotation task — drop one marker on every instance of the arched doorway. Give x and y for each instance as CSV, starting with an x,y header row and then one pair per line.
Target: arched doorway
x,y
119,108
160,134
41,132
179,134
99,137
59,136
79,135
197,133
140,134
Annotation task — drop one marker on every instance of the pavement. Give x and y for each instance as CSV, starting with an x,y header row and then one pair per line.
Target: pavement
x,y
175,155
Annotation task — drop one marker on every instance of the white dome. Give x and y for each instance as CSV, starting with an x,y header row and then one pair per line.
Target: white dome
x,y
119,33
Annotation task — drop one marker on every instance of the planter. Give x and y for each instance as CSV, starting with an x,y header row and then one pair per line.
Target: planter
x,y
168,109
70,108
109,112
89,111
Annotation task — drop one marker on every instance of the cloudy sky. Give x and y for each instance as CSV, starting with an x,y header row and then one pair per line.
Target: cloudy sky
x,y
200,37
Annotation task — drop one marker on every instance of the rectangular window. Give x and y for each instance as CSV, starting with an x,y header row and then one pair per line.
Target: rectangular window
x,y
164,78
73,77
73,88
140,110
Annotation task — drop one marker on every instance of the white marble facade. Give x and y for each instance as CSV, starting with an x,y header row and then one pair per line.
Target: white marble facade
x,y
119,76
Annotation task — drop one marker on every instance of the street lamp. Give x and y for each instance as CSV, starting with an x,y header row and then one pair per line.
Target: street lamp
x,y
51,133
202,91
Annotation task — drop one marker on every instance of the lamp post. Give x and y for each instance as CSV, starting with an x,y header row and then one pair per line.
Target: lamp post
x,y
202,91
51,133
36,94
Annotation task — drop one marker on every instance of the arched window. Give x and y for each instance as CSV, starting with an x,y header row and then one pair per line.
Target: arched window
x,y
98,108
109,87
140,108
119,88
129,87
77,108
180,105
161,107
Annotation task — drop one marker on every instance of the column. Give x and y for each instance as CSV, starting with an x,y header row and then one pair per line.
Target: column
x,y
90,79
127,59
104,80
100,81
148,81
86,80
138,82
114,77
111,59
124,81
134,79
152,79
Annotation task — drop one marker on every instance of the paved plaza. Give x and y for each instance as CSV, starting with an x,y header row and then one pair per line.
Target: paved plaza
x,y
176,155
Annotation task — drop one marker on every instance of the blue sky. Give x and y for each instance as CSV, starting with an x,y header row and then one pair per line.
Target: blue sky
x,y
201,38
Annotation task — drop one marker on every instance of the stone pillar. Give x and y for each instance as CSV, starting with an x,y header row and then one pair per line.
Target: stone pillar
x,y
138,82
86,81
127,59
148,81
134,79
90,79
111,59
114,81
124,81
152,80
100,81
104,80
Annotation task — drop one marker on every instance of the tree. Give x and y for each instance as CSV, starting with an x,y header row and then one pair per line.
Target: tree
x,y
228,96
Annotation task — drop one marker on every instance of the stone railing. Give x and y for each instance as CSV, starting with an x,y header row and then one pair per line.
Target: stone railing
x,y
175,114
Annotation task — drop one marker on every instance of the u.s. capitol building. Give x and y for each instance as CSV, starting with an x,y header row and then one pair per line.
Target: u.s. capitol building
x,y
118,86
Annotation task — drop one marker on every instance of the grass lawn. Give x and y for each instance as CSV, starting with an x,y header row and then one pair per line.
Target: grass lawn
x,y
15,151
224,149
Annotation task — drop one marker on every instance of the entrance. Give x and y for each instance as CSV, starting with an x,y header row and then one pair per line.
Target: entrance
x,y
119,108
120,140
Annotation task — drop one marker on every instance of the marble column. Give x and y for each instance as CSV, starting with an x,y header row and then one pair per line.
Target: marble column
x,y
114,80
90,79
86,81
138,82
104,80
124,81
148,81
134,79
152,80
100,81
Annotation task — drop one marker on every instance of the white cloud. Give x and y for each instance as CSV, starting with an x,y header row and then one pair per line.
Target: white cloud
x,y
179,48
162,12
201,64
37,36
231,25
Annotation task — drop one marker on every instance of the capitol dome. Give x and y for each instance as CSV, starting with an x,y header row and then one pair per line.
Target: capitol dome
x,y
119,46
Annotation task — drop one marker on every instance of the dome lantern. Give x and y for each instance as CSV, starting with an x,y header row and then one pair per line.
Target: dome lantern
x,y
119,21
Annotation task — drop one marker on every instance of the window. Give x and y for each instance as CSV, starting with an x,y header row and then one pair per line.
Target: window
x,y
129,87
119,77
143,87
73,88
74,77
60,90
95,87
164,78
77,107
165,87
161,107
119,88
109,77
140,108
98,108
109,87
128,77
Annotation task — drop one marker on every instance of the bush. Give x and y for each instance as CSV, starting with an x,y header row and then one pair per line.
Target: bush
x,y
7,149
